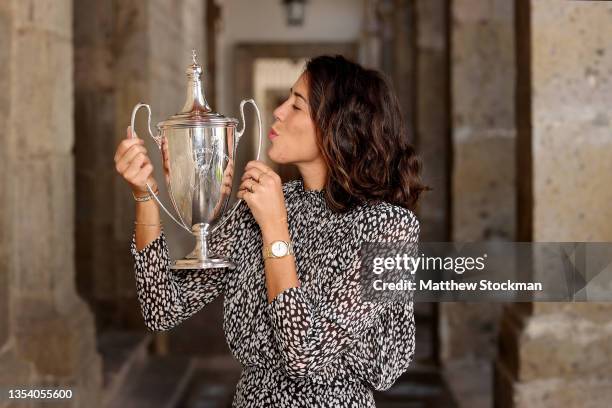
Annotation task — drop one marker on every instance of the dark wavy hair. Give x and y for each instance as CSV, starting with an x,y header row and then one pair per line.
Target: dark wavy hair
x,y
362,136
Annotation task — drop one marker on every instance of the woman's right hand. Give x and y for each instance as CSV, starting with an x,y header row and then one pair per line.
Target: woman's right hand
x,y
133,164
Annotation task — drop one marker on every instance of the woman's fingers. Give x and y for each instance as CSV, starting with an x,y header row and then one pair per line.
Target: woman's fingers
x,y
133,163
259,165
252,173
129,155
227,180
125,145
248,184
244,194
143,174
254,166
134,167
226,189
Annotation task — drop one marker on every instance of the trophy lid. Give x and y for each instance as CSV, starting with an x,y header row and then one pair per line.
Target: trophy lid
x,y
196,112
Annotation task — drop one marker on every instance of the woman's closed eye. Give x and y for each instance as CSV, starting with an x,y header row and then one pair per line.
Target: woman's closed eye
x,y
295,107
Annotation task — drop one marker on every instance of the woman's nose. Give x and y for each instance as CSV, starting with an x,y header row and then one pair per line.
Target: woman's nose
x,y
276,114
281,110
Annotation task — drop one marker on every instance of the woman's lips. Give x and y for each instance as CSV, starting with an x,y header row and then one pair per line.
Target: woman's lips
x,y
272,134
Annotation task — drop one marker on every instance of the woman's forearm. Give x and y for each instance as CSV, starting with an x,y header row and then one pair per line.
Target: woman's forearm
x,y
147,225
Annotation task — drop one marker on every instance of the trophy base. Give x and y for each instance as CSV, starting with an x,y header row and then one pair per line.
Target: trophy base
x,y
207,263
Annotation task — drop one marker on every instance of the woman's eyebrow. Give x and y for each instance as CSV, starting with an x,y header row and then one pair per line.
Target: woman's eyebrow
x,y
299,95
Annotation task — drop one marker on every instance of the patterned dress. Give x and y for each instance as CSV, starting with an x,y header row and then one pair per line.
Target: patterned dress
x,y
318,345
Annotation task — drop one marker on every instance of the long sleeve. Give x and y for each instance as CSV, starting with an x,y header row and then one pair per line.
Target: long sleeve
x,y
167,297
310,335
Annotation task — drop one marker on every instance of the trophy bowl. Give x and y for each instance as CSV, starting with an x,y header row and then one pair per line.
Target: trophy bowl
x,y
198,149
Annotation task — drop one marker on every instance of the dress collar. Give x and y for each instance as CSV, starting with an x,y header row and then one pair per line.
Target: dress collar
x,y
314,193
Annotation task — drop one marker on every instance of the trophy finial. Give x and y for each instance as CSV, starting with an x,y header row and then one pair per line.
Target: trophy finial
x,y
195,101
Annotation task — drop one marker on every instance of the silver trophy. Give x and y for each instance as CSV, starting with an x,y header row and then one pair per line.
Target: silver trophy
x,y
198,150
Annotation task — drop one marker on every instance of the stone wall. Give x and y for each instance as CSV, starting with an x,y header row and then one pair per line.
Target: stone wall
x,y
50,336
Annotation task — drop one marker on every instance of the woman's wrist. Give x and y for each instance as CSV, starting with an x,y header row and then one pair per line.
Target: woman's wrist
x,y
143,190
142,196
142,193
275,230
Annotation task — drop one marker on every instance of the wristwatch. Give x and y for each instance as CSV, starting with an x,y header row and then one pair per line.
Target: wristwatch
x,y
278,249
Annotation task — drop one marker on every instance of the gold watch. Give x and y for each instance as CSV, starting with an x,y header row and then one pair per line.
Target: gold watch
x,y
278,249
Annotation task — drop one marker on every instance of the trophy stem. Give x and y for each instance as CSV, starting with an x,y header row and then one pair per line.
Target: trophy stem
x,y
200,231
200,258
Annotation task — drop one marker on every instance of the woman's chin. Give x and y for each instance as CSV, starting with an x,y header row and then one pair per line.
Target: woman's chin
x,y
279,157
274,156
276,160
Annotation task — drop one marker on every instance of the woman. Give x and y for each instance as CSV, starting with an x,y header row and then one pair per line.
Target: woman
x,y
296,322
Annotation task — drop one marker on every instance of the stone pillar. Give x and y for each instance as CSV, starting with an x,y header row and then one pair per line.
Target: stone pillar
x,y
126,52
6,198
482,88
553,354
432,115
20,370
482,185
50,336
432,133
396,32
370,40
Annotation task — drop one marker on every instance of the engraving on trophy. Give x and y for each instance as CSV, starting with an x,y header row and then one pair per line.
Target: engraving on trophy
x,y
205,160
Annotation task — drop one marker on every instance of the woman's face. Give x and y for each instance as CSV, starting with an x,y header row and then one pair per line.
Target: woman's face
x,y
293,133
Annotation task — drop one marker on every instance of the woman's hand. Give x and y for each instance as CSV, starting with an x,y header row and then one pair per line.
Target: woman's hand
x,y
133,164
262,190
228,177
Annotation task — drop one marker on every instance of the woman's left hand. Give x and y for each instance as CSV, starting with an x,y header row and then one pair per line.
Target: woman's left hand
x,y
262,190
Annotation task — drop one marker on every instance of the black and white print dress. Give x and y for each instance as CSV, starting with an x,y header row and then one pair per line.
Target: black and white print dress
x,y
317,345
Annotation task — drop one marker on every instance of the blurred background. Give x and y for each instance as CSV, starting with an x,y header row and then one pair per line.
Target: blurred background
x,y
508,103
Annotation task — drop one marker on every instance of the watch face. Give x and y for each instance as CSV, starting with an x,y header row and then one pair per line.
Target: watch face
x,y
279,248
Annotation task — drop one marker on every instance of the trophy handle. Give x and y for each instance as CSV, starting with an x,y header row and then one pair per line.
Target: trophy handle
x,y
239,134
158,142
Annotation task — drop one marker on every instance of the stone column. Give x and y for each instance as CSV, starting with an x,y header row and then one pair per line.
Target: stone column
x,y
370,40
432,133
483,196
126,52
432,115
482,185
559,354
49,336
396,52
